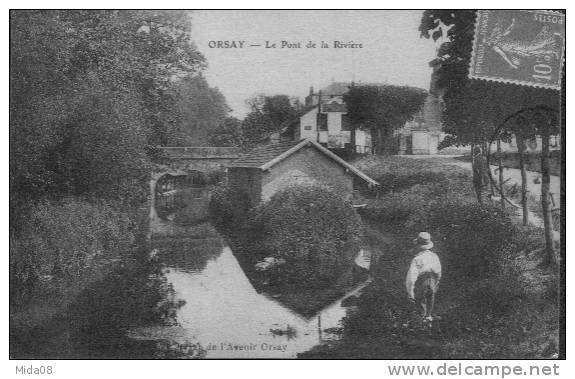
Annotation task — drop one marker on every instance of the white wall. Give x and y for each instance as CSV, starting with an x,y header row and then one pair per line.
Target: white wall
x,y
334,122
309,119
362,138
420,143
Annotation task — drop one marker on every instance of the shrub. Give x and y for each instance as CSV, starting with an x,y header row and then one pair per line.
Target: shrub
x,y
312,228
228,207
472,238
67,242
395,174
397,209
395,181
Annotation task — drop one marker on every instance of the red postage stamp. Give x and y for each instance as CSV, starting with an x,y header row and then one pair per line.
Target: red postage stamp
x,y
519,46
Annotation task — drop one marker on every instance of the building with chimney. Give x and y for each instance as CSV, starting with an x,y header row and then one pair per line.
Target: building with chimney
x,y
324,120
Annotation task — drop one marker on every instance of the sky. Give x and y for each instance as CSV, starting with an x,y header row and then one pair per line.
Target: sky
x,y
392,51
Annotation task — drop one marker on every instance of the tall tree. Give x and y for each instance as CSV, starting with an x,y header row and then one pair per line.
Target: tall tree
x,y
479,112
200,109
89,94
474,109
228,133
382,110
267,115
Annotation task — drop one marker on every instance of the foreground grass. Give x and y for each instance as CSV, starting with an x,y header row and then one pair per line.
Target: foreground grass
x,y
508,311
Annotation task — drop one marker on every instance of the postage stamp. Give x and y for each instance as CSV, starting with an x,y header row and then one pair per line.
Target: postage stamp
x,y
520,47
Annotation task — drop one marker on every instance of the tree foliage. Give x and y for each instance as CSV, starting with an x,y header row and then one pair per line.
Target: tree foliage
x,y
89,97
201,109
267,115
310,227
228,133
475,110
383,109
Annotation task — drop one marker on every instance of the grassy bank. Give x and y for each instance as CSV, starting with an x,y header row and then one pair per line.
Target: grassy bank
x,y
63,248
495,300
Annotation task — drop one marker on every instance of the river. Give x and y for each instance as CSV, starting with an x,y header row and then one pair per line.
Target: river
x,y
224,316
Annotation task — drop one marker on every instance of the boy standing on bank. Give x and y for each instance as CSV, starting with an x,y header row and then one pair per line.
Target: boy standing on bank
x,y
424,274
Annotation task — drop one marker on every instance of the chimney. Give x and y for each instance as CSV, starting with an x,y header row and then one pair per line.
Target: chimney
x,y
309,98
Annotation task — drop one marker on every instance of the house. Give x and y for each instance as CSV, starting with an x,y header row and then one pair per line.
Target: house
x,y
422,134
268,169
324,120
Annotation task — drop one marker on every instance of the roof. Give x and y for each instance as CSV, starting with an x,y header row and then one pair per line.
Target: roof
x,y
199,152
264,157
259,156
334,107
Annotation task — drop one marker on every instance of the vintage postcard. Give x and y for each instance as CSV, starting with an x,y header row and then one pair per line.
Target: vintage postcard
x,y
282,184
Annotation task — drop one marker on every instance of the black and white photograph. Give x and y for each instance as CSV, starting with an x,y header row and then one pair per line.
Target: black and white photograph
x,y
288,184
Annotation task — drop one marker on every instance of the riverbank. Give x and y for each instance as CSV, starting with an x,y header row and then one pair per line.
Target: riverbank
x,y
505,306
63,252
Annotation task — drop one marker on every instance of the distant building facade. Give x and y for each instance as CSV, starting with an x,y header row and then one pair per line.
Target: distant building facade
x,y
424,132
325,120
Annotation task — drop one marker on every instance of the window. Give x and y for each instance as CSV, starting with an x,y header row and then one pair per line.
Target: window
x,y
307,127
322,122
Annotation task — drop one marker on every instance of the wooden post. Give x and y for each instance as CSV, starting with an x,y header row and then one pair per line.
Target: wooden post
x,y
500,164
521,150
545,193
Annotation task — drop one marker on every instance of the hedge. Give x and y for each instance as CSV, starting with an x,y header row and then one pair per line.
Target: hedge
x,y
312,228
65,243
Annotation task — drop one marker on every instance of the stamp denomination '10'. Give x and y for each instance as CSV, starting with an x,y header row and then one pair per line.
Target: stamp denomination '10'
x,y
520,47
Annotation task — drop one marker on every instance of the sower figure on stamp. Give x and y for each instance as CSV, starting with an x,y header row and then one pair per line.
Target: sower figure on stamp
x,y
480,175
423,276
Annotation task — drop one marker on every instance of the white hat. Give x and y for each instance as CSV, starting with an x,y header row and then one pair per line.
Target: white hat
x,y
424,240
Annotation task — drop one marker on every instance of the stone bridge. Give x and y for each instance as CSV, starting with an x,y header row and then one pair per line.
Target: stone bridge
x,y
181,186
204,159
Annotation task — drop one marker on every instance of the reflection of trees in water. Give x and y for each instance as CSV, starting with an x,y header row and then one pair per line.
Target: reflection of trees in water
x,y
135,295
305,300
190,255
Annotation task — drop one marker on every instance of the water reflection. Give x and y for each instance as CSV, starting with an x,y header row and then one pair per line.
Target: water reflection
x,y
224,316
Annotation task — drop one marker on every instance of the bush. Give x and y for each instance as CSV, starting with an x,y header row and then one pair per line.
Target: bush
x,y
312,228
398,209
228,207
470,237
65,243
396,181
